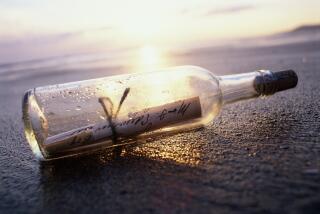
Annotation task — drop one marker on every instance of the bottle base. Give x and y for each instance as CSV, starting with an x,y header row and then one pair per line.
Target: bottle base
x,y
27,102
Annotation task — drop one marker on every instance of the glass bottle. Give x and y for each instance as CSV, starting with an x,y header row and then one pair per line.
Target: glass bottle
x,y
85,116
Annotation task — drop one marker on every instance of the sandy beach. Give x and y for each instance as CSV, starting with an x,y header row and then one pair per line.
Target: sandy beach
x,y
261,155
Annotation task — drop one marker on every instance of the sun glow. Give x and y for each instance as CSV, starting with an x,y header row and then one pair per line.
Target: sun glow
x,y
150,58
149,55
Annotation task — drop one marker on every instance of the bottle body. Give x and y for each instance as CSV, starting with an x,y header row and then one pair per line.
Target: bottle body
x,y
72,118
81,117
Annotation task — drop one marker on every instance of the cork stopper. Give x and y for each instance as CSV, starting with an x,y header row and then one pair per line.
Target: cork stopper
x,y
271,82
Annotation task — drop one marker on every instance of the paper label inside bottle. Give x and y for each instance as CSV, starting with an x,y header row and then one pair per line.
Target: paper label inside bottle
x,y
137,123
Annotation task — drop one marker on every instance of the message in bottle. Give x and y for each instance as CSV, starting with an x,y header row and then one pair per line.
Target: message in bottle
x,y
136,123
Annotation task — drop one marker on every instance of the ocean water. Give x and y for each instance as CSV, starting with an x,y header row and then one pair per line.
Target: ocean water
x,y
220,60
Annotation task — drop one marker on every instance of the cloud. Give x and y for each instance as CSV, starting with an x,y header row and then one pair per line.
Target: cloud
x,y
229,10
39,39
216,11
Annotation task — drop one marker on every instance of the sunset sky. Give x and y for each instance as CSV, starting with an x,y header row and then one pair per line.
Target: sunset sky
x,y
34,28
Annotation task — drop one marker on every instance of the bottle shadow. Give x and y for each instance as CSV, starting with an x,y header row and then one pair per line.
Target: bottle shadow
x,y
111,183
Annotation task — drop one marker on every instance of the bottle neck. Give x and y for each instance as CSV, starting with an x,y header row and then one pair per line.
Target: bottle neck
x,y
238,87
249,85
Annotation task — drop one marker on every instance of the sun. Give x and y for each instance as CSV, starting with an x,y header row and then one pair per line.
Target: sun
x,y
150,57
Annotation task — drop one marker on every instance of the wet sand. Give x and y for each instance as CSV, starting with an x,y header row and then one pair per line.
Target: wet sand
x,y
262,155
